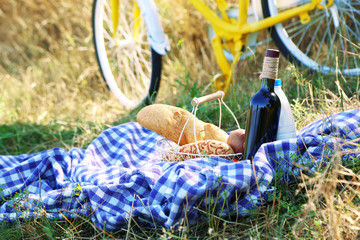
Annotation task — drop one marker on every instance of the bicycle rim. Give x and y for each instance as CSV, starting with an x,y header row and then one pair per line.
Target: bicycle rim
x,y
329,43
129,66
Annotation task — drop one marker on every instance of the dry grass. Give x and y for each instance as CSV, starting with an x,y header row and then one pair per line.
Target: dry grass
x,y
48,68
48,71
332,211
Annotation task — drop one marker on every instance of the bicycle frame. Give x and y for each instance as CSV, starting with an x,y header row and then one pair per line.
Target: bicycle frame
x,y
237,33
233,33
157,38
228,30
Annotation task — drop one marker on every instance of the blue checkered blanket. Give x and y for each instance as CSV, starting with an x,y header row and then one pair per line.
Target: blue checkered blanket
x,y
120,175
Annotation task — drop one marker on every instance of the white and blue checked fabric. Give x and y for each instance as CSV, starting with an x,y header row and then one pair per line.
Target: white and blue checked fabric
x,y
120,174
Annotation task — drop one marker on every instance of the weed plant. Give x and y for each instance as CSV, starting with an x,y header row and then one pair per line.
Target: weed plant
x,y
52,95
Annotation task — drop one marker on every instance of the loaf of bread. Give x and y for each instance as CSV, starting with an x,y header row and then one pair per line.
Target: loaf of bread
x,y
191,150
213,132
169,121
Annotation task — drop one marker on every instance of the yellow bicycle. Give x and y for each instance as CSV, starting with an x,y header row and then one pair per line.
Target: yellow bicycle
x,y
129,39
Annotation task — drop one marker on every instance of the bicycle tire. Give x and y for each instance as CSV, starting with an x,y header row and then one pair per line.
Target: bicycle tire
x,y
319,45
131,69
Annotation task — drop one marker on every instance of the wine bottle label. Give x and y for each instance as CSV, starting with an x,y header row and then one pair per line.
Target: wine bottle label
x,y
270,68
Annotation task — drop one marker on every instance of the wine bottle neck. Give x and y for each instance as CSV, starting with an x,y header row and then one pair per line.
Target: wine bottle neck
x,y
270,68
268,83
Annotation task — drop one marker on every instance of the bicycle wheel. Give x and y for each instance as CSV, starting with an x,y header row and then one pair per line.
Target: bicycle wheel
x,y
329,43
130,68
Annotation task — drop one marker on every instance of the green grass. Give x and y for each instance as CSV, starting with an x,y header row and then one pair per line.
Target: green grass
x,y
53,96
291,211
294,210
19,137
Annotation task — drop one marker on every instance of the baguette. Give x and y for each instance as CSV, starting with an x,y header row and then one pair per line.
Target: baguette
x,y
213,132
169,121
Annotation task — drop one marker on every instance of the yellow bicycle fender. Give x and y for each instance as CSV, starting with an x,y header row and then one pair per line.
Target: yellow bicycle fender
x,y
114,15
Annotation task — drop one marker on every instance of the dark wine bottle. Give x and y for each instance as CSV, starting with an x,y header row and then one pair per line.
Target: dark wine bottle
x,y
264,109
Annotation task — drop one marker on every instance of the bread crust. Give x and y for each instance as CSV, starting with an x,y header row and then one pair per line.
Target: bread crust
x,y
205,147
213,132
208,147
169,121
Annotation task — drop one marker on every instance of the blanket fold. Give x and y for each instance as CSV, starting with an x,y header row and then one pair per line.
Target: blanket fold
x,y
121,174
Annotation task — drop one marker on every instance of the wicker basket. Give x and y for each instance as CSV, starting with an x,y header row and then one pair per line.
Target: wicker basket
x,y
168,150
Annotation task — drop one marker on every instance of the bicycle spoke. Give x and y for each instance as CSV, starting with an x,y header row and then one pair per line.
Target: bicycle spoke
x,y
342,41
108,37
302,27
106,18
140,71
145,51
303,30
130,82
332,35
348,36
355,23
135,60
332,41
125,64
125,84
325,35
303,35
350,10
313,39
143,61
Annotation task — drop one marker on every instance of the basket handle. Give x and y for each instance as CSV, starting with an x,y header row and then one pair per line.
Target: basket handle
x,y
207,98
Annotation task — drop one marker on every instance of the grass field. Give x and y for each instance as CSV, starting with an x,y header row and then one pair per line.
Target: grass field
x,y
52,95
